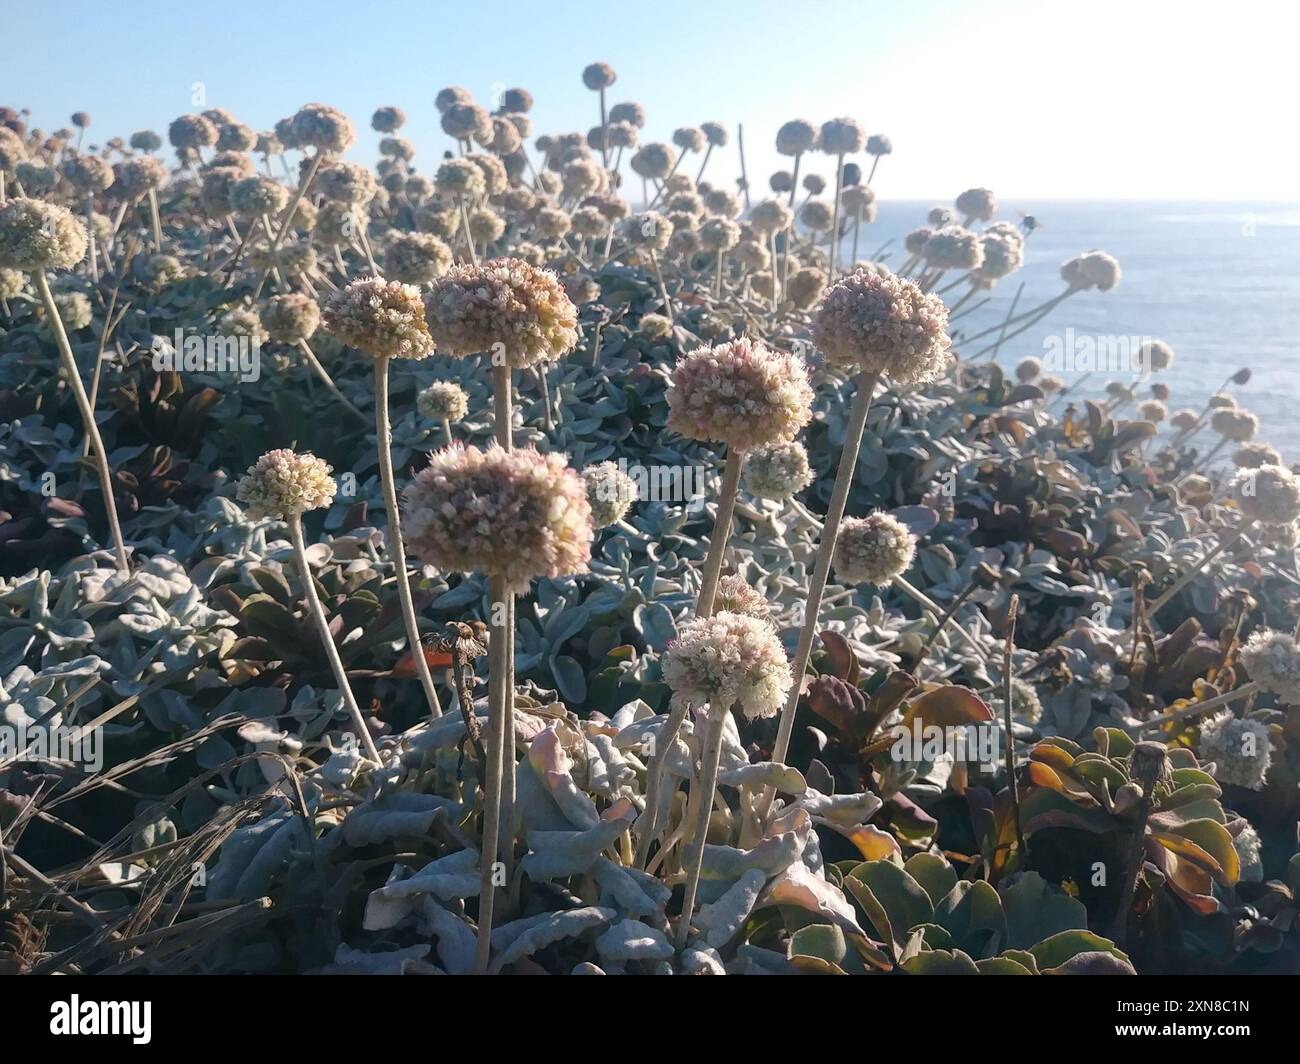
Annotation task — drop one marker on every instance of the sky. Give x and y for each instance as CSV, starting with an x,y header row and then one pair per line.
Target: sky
x,y
1123,99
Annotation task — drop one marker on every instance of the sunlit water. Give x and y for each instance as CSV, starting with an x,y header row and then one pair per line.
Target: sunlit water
x,y
1220,282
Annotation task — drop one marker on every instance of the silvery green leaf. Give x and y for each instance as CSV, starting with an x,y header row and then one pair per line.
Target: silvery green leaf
x,y
723,918
632,892
555,854
456,940
632,940
786,780
453,876
570,678
523,938
392,816
406,961
253,854
697,960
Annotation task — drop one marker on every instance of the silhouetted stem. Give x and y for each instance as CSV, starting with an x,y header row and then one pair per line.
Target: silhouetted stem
x,y
714,721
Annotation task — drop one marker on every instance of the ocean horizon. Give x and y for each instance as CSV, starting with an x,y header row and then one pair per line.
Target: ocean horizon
x,y
1217,280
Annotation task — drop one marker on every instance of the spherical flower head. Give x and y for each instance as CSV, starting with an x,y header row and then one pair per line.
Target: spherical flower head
x,y
729,660
13,150
1237,425
1003,254
715,133
653,160
1093,269
192,132
134,177
290,318
804,287
1254,455
461,177
417,258
781,181
742,393
1153,410
875,321
689,138
1240,749
235,136
582,288
517,515
1028,370
325,128
879,144
1026,706
778,471
552,223
954,248
451,96
283,484
721,202
443,401
796,137
36,235
1184,419
631,113
1269,494
506,138
517,101
649,230
466,121
655,327
817,216
589,223
719,234
1273,661
242,323
598,76
383,319
770,216
736,596
254,197
752,255
1155,355
75,312
1221,401
505,308
873,549
977,203
345,182
88,173
916,240
610,493
857,199
843,136
495,178
387,119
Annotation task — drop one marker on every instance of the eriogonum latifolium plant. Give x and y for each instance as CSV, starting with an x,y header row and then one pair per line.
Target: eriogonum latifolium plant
x,y
717,517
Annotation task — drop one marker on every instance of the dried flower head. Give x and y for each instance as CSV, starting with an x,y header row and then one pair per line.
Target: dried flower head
x,y
1254,455
36,235
977,204
443,401
384,319
1273,660
843,136
649,230
1269,494
954,248
1155,355
1093,269
729,660
655,327
778,471
345,182
451,96
598,76
504,307
873,549
325,128
517,515
283,484
742,393
1236,424
461,178
1240,749
1153,410
796,137
880,323
417,258
736,596
653,160
256,196
192,132
88,174
610,492
290,318
387,119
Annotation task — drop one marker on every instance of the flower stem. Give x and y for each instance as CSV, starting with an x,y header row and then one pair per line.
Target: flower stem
x,y
866,384
714,722
294,521
498,698
384,442
87,415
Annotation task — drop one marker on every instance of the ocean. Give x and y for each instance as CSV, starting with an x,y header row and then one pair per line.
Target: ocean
x,y
1218,281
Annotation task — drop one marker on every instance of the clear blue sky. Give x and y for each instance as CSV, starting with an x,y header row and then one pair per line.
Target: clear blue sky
x,y
1110,98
